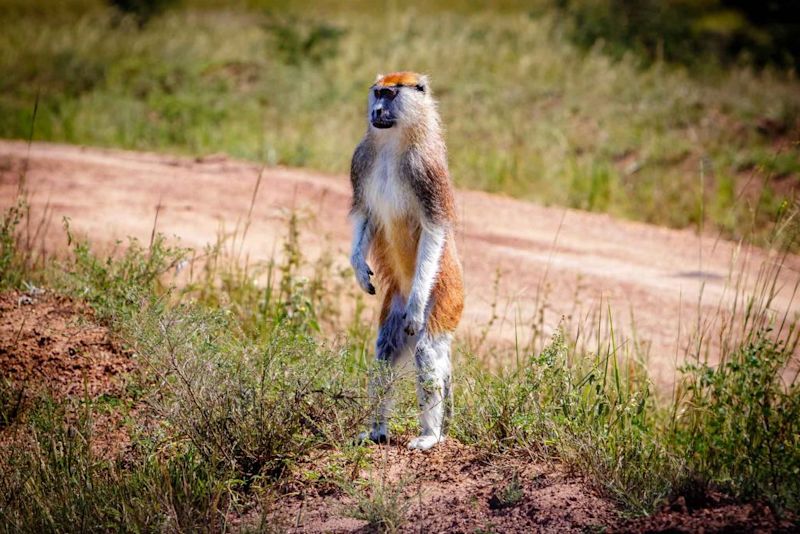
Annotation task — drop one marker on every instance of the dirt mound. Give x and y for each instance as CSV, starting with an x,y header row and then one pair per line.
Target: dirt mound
x,y
716,513
53,345
51,341
453,488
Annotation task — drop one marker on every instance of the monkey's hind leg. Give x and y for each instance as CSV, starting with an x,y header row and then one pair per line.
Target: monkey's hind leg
x,y
432,358
392,350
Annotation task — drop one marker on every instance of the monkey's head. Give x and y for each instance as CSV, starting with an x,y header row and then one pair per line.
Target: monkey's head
x,y
398,100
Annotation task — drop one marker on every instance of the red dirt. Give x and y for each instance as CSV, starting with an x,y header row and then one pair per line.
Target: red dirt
x,y
453,489
572,264
51,344
50,341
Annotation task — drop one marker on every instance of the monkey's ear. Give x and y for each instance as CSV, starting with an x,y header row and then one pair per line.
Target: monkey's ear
x,y
378,78
422,84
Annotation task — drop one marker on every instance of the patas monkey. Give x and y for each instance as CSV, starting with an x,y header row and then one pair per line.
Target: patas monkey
x,y
403,214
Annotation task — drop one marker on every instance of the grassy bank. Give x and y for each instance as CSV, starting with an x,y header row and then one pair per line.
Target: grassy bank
x,y
527,112
238,385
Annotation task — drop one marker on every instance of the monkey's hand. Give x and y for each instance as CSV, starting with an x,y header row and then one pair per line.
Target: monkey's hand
x,y
363,272
413,319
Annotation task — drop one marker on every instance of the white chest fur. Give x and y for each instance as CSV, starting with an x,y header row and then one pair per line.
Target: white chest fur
x,y
387,194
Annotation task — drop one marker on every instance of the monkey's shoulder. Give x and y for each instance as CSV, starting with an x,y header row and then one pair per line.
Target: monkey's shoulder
x,y
363,156
427,172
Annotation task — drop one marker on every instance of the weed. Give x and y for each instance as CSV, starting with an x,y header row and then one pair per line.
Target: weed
x,y
596,414
117,287
12,270
741,424
509,495
382,504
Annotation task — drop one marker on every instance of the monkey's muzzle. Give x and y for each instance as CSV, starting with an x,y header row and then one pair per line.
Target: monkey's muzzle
x,y
382,119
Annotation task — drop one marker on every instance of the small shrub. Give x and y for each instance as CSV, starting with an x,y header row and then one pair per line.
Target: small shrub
x,y
593,413
251,408
118,284
299,42
509,495
142,10
741,424
383,505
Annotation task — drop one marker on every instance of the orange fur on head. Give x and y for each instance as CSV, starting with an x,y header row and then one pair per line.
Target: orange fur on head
x,y
398,78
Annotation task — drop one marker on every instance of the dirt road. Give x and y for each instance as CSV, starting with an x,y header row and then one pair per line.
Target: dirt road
x,y
556,261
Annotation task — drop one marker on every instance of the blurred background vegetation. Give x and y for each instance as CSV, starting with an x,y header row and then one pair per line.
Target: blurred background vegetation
x,y
683,113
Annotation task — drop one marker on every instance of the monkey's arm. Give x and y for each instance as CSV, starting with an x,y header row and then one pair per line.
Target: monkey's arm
x,y
362,239
362,226
427,173
429,255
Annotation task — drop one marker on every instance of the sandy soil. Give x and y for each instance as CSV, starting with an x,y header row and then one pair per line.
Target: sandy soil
x,y
567,263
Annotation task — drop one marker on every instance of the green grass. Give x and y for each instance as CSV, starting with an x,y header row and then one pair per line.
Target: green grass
x,y
241,384
287,85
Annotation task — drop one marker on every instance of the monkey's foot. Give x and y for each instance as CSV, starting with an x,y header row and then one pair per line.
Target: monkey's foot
x,y
373,436
423,443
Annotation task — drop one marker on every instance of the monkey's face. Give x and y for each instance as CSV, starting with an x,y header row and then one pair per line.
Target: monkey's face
x,y
384,107
394,99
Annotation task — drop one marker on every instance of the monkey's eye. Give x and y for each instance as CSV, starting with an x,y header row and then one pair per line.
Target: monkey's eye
x,y
386,92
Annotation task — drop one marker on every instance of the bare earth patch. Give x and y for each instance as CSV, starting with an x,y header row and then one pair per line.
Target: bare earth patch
x,y
52,344
454,488
48,340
